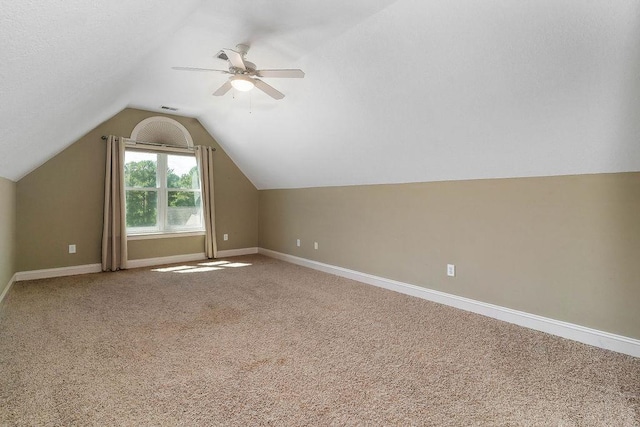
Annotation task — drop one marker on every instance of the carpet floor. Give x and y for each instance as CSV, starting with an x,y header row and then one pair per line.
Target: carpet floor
x,y
256,341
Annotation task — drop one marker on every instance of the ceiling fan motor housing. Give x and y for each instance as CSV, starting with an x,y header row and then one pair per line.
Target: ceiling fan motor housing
x,y
250,69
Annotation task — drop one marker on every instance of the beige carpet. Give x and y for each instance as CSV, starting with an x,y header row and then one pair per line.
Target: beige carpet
x,y
272,343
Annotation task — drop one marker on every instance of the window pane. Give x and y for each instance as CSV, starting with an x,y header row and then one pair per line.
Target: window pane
x,y
184,210
140,169
142,208
182,172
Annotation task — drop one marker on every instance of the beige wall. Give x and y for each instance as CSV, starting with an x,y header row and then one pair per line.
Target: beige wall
x,y
566,247
7,231
156,248
60,203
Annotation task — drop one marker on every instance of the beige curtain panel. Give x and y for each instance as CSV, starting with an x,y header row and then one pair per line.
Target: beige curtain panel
x,y
204,156
114,232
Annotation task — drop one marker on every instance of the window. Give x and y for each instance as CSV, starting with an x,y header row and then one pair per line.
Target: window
x,y
162,192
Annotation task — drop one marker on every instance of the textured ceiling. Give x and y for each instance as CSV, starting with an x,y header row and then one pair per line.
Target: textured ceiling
x,y
64,69
395,91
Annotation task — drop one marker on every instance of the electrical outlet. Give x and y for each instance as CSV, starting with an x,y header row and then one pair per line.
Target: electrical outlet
x,y
315,245
225,237
451,270
72,249
298,242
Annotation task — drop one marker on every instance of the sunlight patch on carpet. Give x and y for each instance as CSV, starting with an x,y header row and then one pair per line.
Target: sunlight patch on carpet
x,y
201,267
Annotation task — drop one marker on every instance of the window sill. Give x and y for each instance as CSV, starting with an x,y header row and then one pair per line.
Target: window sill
x,y
169,235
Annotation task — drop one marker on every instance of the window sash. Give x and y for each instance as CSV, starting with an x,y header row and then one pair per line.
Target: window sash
x,y
162,190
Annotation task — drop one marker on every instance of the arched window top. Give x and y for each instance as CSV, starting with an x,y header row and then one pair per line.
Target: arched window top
x,y
162,130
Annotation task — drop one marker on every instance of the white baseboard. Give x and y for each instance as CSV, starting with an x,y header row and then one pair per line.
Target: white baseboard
x,y
237,252
151,262
58,272
7,288
594,337
134,263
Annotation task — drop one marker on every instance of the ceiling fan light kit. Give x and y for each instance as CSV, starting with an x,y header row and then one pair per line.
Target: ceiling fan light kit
x,y
244,73
242,83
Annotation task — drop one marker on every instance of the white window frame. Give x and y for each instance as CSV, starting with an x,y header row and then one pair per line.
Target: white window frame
x,y
162,229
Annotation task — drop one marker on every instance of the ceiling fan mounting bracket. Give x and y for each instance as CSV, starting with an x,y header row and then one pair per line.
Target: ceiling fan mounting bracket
x,y
242,49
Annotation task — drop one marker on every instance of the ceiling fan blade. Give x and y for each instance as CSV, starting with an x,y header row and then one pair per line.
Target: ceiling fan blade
x,y
223,89
292,74
268,89
235,59
198,69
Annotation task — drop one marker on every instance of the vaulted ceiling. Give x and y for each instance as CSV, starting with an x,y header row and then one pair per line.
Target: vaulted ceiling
x,y
395,91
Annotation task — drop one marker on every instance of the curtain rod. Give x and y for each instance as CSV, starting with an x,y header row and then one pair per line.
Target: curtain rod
x,y
104,138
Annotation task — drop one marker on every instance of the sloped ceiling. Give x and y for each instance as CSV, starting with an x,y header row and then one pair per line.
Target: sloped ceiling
x,y
395,91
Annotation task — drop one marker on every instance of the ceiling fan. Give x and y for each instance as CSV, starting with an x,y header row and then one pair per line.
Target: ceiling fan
x,y
244,75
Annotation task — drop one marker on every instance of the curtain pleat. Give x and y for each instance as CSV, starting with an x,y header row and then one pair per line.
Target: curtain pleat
x,y
114,232
204,156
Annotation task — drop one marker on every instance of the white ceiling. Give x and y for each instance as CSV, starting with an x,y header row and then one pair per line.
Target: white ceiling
x,y
395,91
